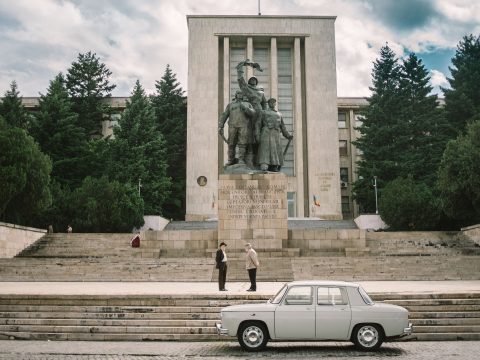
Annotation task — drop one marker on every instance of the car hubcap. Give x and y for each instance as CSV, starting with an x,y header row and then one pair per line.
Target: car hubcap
x,y
253,336
368,336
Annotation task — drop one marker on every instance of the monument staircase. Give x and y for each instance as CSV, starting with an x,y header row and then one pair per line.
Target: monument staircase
x,y
144,317
109,257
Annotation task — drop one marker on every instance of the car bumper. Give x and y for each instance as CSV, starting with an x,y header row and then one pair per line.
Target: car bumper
x,y
408,330
221,330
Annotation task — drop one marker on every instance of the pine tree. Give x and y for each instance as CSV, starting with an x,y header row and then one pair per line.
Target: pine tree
x,y
138,152
462,101
379,141
171,117
12,110
423,129
87,83
57,131
24,174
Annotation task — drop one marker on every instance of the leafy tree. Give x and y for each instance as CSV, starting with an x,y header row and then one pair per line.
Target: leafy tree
x,y
57,131
87,83
11,108
462,101
171,117
101,205
459,180
379,133
25,174
138,152
409,205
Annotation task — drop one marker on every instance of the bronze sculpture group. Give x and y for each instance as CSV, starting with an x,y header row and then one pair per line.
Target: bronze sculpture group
x,y
254,126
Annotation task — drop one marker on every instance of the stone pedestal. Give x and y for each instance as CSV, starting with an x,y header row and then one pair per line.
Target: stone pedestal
x,y
252,208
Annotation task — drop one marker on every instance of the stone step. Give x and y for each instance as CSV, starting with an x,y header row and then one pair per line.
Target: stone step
x,y
109,309
475,329
442,308
425,302
107,329
459,321
445,337
103,316
123,302
110,322
107,337
444,315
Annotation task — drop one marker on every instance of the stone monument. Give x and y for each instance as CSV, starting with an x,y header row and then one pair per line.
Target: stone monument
x,y
252,208
252,202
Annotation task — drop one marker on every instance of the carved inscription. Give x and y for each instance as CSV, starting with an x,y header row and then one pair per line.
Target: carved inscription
x,y
251,202
325,180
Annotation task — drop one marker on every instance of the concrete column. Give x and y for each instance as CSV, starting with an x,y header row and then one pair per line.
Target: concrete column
x,y
353,162
226,88
298,127
273,69
249,56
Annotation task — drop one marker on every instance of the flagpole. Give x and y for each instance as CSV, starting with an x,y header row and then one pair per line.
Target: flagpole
x,y
259,13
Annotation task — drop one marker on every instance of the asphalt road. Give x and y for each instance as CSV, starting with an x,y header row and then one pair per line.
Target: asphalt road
x,y
88,350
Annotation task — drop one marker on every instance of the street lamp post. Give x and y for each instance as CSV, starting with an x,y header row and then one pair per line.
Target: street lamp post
x,y
376,195
139,186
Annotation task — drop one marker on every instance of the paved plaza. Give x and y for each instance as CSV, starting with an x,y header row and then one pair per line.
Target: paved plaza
x,y
211,288
46,350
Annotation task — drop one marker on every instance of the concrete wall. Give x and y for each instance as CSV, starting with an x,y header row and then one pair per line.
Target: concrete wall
x,y
472,232
15,238
154,243
326,239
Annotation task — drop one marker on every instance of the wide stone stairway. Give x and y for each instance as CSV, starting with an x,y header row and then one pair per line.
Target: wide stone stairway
x,y
109,257
410,256
144,317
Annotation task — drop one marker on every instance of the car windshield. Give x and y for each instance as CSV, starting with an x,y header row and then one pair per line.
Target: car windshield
x,y
365,296
277,298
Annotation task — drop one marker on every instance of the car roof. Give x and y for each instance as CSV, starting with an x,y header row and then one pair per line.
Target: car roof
x,y
323,283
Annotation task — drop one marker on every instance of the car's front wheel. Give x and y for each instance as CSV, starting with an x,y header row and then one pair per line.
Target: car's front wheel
x,y
253,336
367,336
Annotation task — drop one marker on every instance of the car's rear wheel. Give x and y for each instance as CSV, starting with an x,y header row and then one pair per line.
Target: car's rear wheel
x,y
368,336
253,336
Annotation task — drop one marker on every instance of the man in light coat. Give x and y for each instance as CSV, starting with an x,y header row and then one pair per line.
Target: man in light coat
x,y
251,265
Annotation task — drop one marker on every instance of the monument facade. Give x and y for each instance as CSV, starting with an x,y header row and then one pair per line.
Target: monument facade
x,y
297,58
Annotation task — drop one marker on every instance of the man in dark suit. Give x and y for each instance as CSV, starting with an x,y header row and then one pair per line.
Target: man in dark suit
x,y
221,260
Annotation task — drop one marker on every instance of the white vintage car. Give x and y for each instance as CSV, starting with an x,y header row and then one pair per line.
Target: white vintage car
x,y
317,311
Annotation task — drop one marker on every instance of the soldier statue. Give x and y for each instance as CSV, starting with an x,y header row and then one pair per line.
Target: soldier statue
x,y
240,131
256,97
267,135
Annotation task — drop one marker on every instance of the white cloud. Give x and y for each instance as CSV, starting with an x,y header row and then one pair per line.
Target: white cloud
x,y
438,78
137,39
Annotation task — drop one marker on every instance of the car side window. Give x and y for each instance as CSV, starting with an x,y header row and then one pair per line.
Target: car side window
x,y
331,296
299,295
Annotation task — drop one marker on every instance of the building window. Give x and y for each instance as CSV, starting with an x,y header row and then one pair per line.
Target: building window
x,y
291,204
343,148
344,175
342,119
345,205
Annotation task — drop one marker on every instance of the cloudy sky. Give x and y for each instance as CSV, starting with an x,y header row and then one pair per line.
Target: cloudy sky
x,y
138,38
